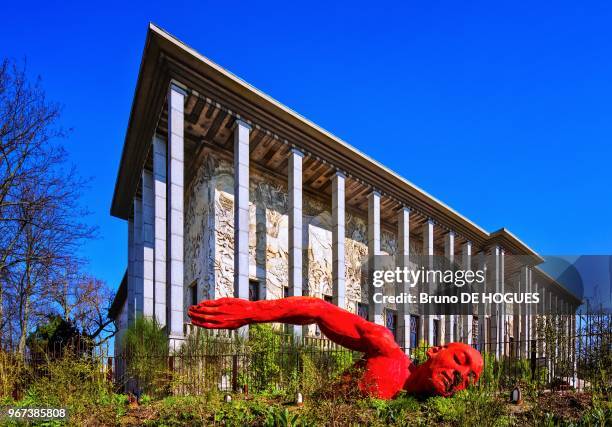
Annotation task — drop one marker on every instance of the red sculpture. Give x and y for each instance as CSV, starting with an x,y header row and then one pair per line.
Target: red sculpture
x,y
386,368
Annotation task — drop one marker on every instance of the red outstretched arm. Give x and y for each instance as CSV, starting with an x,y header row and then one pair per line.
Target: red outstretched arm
x,y
340,326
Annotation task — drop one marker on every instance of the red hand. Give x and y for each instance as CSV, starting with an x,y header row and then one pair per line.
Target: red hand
x,y
224,313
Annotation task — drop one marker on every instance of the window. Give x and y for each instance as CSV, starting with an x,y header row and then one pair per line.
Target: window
x,y
414,331
436,332
391,321
475,342
362,310
326,298
193,289
253,290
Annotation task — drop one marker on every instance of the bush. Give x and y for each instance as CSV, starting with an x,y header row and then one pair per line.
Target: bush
x,y
491,372
146,353
210,410
419,354
80,385
56,335
264,344
466,408
404,410
14,375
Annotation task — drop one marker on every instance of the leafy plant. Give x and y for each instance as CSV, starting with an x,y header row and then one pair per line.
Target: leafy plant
x,y
14,375
146,353
264,345
419,354
473,406
282,418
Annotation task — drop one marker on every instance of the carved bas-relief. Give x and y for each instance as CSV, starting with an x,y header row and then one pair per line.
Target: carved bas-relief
x,y
209,239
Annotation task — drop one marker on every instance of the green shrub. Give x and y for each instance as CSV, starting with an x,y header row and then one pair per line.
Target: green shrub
x,y
146,353
419,354
265,368
491,372
403,410
211,410
597,416
78,384
54,336
469,407
204,358
284,418
310,379
14,375
184,410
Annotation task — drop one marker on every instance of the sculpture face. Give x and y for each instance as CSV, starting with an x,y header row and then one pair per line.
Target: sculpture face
x,y
450,368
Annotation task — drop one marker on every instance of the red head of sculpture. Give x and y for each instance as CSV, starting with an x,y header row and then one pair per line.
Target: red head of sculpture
x,y
450,368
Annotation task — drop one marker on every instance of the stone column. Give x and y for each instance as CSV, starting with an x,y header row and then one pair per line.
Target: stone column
x,y
403,261
543,318
566,347
481,308
449,254
466,318
550,352
495,308
175,230
148,217
428,251
532,313
573,343
570,335
528,287
131,297
338,234
375,310
295,227
138,258
503,324
523,317
557,317
241,209
159,189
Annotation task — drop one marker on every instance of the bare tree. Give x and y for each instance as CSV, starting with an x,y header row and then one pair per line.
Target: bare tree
x,y
84,301
41,221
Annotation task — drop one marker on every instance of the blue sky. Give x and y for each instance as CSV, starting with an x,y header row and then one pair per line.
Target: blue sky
x,y
502,111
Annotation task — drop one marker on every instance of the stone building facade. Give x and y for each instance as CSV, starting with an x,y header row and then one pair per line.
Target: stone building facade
x,y
226,192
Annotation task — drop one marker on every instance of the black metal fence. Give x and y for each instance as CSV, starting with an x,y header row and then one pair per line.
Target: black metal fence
x,y
555,362
271,362
205,362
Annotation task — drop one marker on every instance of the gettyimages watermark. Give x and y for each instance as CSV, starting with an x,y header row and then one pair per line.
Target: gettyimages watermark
x,y
436,285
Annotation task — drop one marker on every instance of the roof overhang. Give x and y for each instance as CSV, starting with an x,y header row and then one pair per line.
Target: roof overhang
x,y
166,59
506,239
557,286
119,300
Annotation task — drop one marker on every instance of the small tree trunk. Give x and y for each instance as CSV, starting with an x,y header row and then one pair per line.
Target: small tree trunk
x,y
25,320
1,316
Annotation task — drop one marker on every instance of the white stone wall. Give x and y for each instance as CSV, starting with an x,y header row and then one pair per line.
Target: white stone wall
x,y
209,235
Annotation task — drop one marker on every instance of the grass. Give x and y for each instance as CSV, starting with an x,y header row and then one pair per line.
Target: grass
x,y
91,402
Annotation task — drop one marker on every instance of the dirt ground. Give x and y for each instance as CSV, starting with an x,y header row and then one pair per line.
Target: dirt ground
x,y
566,405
